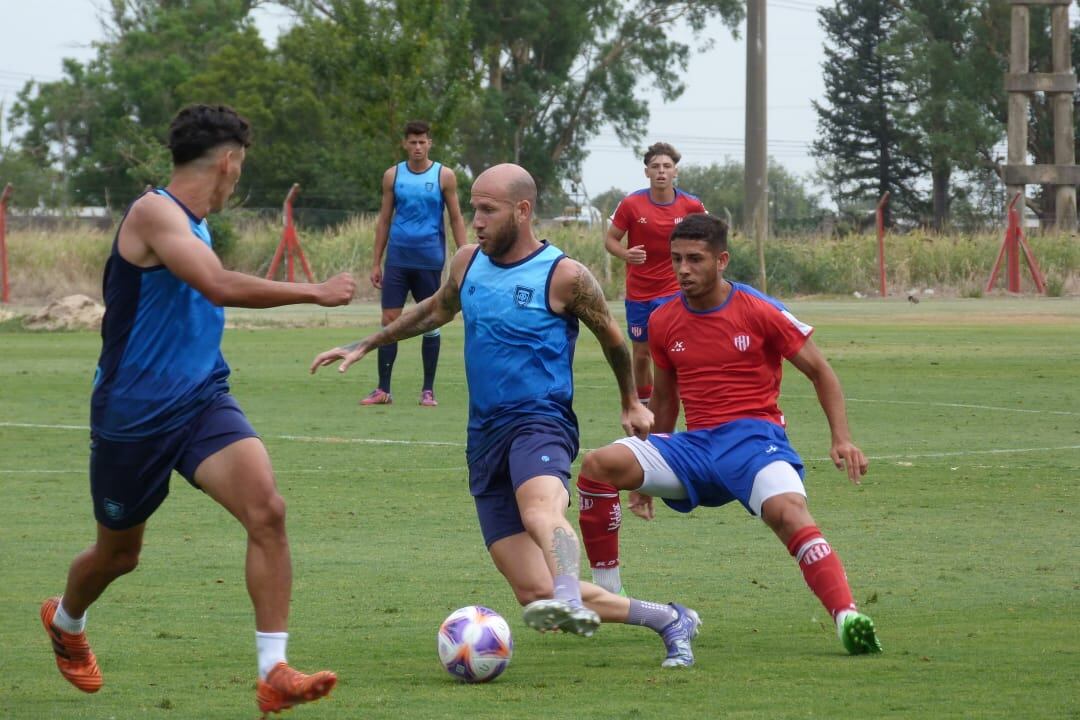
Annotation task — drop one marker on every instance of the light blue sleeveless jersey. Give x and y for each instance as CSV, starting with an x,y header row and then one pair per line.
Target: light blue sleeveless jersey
x,y
161,356
417,235
519,355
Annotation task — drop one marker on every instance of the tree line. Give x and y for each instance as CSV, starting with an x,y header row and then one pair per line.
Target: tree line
x,y
915,105
914,101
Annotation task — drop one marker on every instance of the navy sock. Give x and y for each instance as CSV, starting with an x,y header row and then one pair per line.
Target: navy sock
x,y
387,355
429,351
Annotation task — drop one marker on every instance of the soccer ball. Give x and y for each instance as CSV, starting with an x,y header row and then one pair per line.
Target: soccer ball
x,y
475,644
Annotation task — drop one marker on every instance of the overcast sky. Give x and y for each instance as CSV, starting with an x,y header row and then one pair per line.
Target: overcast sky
x,y
705,124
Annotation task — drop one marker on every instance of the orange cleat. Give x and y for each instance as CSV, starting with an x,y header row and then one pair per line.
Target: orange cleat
x,y
285,687
73,654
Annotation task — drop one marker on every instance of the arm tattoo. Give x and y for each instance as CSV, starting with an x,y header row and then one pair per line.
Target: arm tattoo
x,y
433,312
588,304
567,554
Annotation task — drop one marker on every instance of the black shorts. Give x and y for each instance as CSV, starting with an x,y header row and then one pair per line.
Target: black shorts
x,y
398,282
540,447
130,479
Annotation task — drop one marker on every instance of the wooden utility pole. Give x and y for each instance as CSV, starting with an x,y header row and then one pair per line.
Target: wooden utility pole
x,y
1060,84
756,166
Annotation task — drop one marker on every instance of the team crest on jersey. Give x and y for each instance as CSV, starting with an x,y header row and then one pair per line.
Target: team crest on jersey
x,y
742,342
429,186
522,295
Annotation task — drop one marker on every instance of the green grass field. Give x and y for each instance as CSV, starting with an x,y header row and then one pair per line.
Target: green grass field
x,y
962,542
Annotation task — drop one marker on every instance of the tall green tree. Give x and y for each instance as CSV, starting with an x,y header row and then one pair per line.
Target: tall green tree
x,y
102,124
373,66
792,204
863,151
942,63
555,71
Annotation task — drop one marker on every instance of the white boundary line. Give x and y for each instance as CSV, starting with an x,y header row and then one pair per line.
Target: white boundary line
x,y
434,443
965,406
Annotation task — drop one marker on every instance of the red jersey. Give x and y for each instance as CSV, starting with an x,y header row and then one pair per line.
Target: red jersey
x,y
727,360
650,224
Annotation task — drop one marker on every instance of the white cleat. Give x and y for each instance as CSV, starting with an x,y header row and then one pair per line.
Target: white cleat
x,y
552,615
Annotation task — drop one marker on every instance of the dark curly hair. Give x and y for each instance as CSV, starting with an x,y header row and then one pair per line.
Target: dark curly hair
x,y
417,127
702,226
197,129
662,148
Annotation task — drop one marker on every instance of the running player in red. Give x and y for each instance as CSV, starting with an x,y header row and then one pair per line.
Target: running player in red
x,y
720,348
645,218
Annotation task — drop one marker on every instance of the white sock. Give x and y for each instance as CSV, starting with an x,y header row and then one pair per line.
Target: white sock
x,y
67,623
840,616
608,578
271,650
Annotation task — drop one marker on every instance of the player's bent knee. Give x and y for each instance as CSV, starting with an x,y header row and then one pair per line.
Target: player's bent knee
x,y
602,465
532,593
122,562
268,517
786,513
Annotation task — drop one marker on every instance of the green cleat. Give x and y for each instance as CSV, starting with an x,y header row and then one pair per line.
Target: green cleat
x,y
857,634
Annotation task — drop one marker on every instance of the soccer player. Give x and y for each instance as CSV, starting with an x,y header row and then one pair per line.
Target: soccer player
x,y
522,300
161,402
414,192
645,218
720,348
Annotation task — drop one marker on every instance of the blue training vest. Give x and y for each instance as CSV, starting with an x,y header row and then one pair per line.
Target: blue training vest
x,y
519,355
417,235
161,359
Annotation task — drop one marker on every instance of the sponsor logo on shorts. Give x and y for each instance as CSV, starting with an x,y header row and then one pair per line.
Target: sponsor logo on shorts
x,y
636,331
679,346
742,342
545,458
472,289
771,449
113,509
522,295
643,221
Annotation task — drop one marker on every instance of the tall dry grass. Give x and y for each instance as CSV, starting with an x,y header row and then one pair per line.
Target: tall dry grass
x,y
45,265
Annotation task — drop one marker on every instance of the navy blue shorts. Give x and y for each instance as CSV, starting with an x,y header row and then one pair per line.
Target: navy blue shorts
x,y
637,316
540,447
398,282
717,465
129,480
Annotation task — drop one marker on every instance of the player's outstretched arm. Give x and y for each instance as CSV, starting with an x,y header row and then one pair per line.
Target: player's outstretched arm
x,y
845,454
425,316
156,231
575,290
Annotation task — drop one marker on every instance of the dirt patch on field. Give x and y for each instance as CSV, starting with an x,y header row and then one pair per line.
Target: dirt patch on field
x,y
74,312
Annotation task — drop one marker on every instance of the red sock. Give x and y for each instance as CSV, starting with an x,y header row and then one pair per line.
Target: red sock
x,y
599,518
822,569
644,393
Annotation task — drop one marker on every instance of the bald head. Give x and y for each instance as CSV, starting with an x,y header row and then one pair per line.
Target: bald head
x,y
507,182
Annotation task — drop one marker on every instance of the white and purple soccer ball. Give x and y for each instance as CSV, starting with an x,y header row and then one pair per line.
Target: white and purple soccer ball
x,y
475,644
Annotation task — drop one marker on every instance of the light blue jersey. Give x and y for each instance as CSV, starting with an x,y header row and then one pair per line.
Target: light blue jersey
x,y
417,235
161,359
519,355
